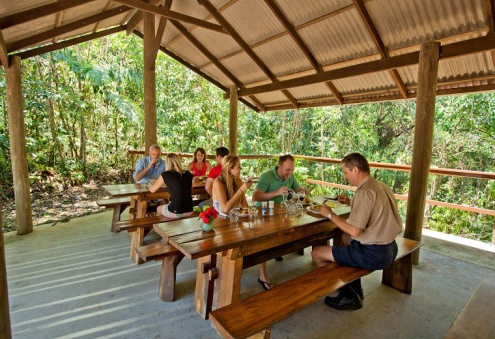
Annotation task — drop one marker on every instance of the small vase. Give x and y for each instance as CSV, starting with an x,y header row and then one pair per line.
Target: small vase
x,y
208,227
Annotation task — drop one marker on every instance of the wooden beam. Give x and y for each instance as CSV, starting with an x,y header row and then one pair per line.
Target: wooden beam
x,y
206,52
233,121
161,29
39,12
38,38
17,136
200,73
302,46
4,55
172,15
138,17
66,43
457,49
380,46
423,139
5,329
149,76
233,33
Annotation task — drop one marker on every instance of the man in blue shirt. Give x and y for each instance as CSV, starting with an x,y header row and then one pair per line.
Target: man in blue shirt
x,y
149,167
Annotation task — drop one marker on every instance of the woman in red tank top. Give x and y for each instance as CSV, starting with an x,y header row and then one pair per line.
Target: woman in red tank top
x,y
199,166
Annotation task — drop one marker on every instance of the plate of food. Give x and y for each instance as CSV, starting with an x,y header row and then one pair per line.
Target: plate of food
x,y
313,208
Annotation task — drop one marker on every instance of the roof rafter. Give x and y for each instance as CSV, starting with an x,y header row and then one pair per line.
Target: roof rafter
x,y
448,51
207,53
302,45
172,15
23,43
38,12
370,26
233,33
161,29
70,42
199,72
138,17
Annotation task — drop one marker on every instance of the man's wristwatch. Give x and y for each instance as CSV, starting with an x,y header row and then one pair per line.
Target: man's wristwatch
x,y
329,216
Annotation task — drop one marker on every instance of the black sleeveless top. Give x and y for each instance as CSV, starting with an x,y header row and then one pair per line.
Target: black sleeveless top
x,y
179,185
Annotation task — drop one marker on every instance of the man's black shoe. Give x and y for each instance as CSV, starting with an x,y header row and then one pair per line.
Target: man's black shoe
x,y
360,293
340,302
279,258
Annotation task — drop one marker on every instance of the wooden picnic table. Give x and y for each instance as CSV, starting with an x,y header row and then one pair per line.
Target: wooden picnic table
x,y
223,253
140,194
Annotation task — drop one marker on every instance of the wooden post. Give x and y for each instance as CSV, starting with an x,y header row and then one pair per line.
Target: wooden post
x,y
423,137
233,121
17,136
149,80
5,331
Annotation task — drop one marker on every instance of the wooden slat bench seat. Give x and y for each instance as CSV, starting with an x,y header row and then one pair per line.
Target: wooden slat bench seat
x,y
139,228
476,318
171,258
255,315
119,205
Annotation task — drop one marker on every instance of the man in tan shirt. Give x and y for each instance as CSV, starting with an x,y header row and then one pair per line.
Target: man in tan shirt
x,y
373,224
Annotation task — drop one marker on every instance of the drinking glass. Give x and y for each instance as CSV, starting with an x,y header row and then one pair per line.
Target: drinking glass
x,y
283,204
234,215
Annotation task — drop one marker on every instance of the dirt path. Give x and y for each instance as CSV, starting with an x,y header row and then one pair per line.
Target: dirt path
x,y
58,205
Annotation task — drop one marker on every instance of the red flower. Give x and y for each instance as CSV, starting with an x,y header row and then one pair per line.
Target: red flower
x,y
207,214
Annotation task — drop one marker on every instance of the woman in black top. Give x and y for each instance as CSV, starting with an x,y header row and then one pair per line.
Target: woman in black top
x,y
179,186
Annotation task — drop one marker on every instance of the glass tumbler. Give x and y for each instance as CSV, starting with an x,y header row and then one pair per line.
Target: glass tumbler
x,y
234,215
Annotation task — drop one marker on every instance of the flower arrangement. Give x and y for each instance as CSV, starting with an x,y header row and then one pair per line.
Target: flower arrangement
x,y
207,213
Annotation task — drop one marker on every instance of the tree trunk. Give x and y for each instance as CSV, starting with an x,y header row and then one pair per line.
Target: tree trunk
x,y
50,111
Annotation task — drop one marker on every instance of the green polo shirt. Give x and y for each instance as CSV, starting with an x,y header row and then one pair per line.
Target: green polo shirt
x,y
270,182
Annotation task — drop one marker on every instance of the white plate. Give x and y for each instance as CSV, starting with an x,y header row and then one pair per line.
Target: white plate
x,y
338,209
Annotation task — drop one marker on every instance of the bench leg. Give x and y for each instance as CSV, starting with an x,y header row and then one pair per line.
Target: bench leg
x,y
265,334
166,288
399,274
117,211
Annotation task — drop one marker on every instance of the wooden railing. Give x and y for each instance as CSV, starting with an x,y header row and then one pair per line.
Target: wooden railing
x,y
393,167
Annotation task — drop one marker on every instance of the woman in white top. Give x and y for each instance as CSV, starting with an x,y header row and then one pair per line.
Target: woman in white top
x,y
228,192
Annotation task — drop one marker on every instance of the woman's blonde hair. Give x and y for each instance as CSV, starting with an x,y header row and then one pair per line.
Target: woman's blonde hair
x,y
230,183
173,163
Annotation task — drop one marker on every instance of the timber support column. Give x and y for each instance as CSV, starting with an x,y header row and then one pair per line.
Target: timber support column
x,y
5,330
423,137
233,121
149,81
17,134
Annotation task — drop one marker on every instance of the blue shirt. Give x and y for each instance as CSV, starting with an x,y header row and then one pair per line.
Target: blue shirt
x,y
270,182
153,173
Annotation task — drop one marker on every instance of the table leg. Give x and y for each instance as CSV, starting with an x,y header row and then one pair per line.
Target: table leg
x,y
141,208
132,208
229,287
166,287
137,240
206,275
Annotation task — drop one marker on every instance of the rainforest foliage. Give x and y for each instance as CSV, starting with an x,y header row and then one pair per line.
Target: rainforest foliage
x,y
84,111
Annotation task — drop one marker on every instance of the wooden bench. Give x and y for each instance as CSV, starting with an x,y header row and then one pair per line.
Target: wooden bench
x,y
254,315
119,205
171,258
139,228
476,318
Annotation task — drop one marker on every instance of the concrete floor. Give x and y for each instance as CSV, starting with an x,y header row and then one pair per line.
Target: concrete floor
x,y
75,280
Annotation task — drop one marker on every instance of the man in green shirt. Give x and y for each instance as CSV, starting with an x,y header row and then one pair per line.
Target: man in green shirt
x,y
277,181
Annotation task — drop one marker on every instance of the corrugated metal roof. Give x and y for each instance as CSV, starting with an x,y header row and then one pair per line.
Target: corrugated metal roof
x,y
270,45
